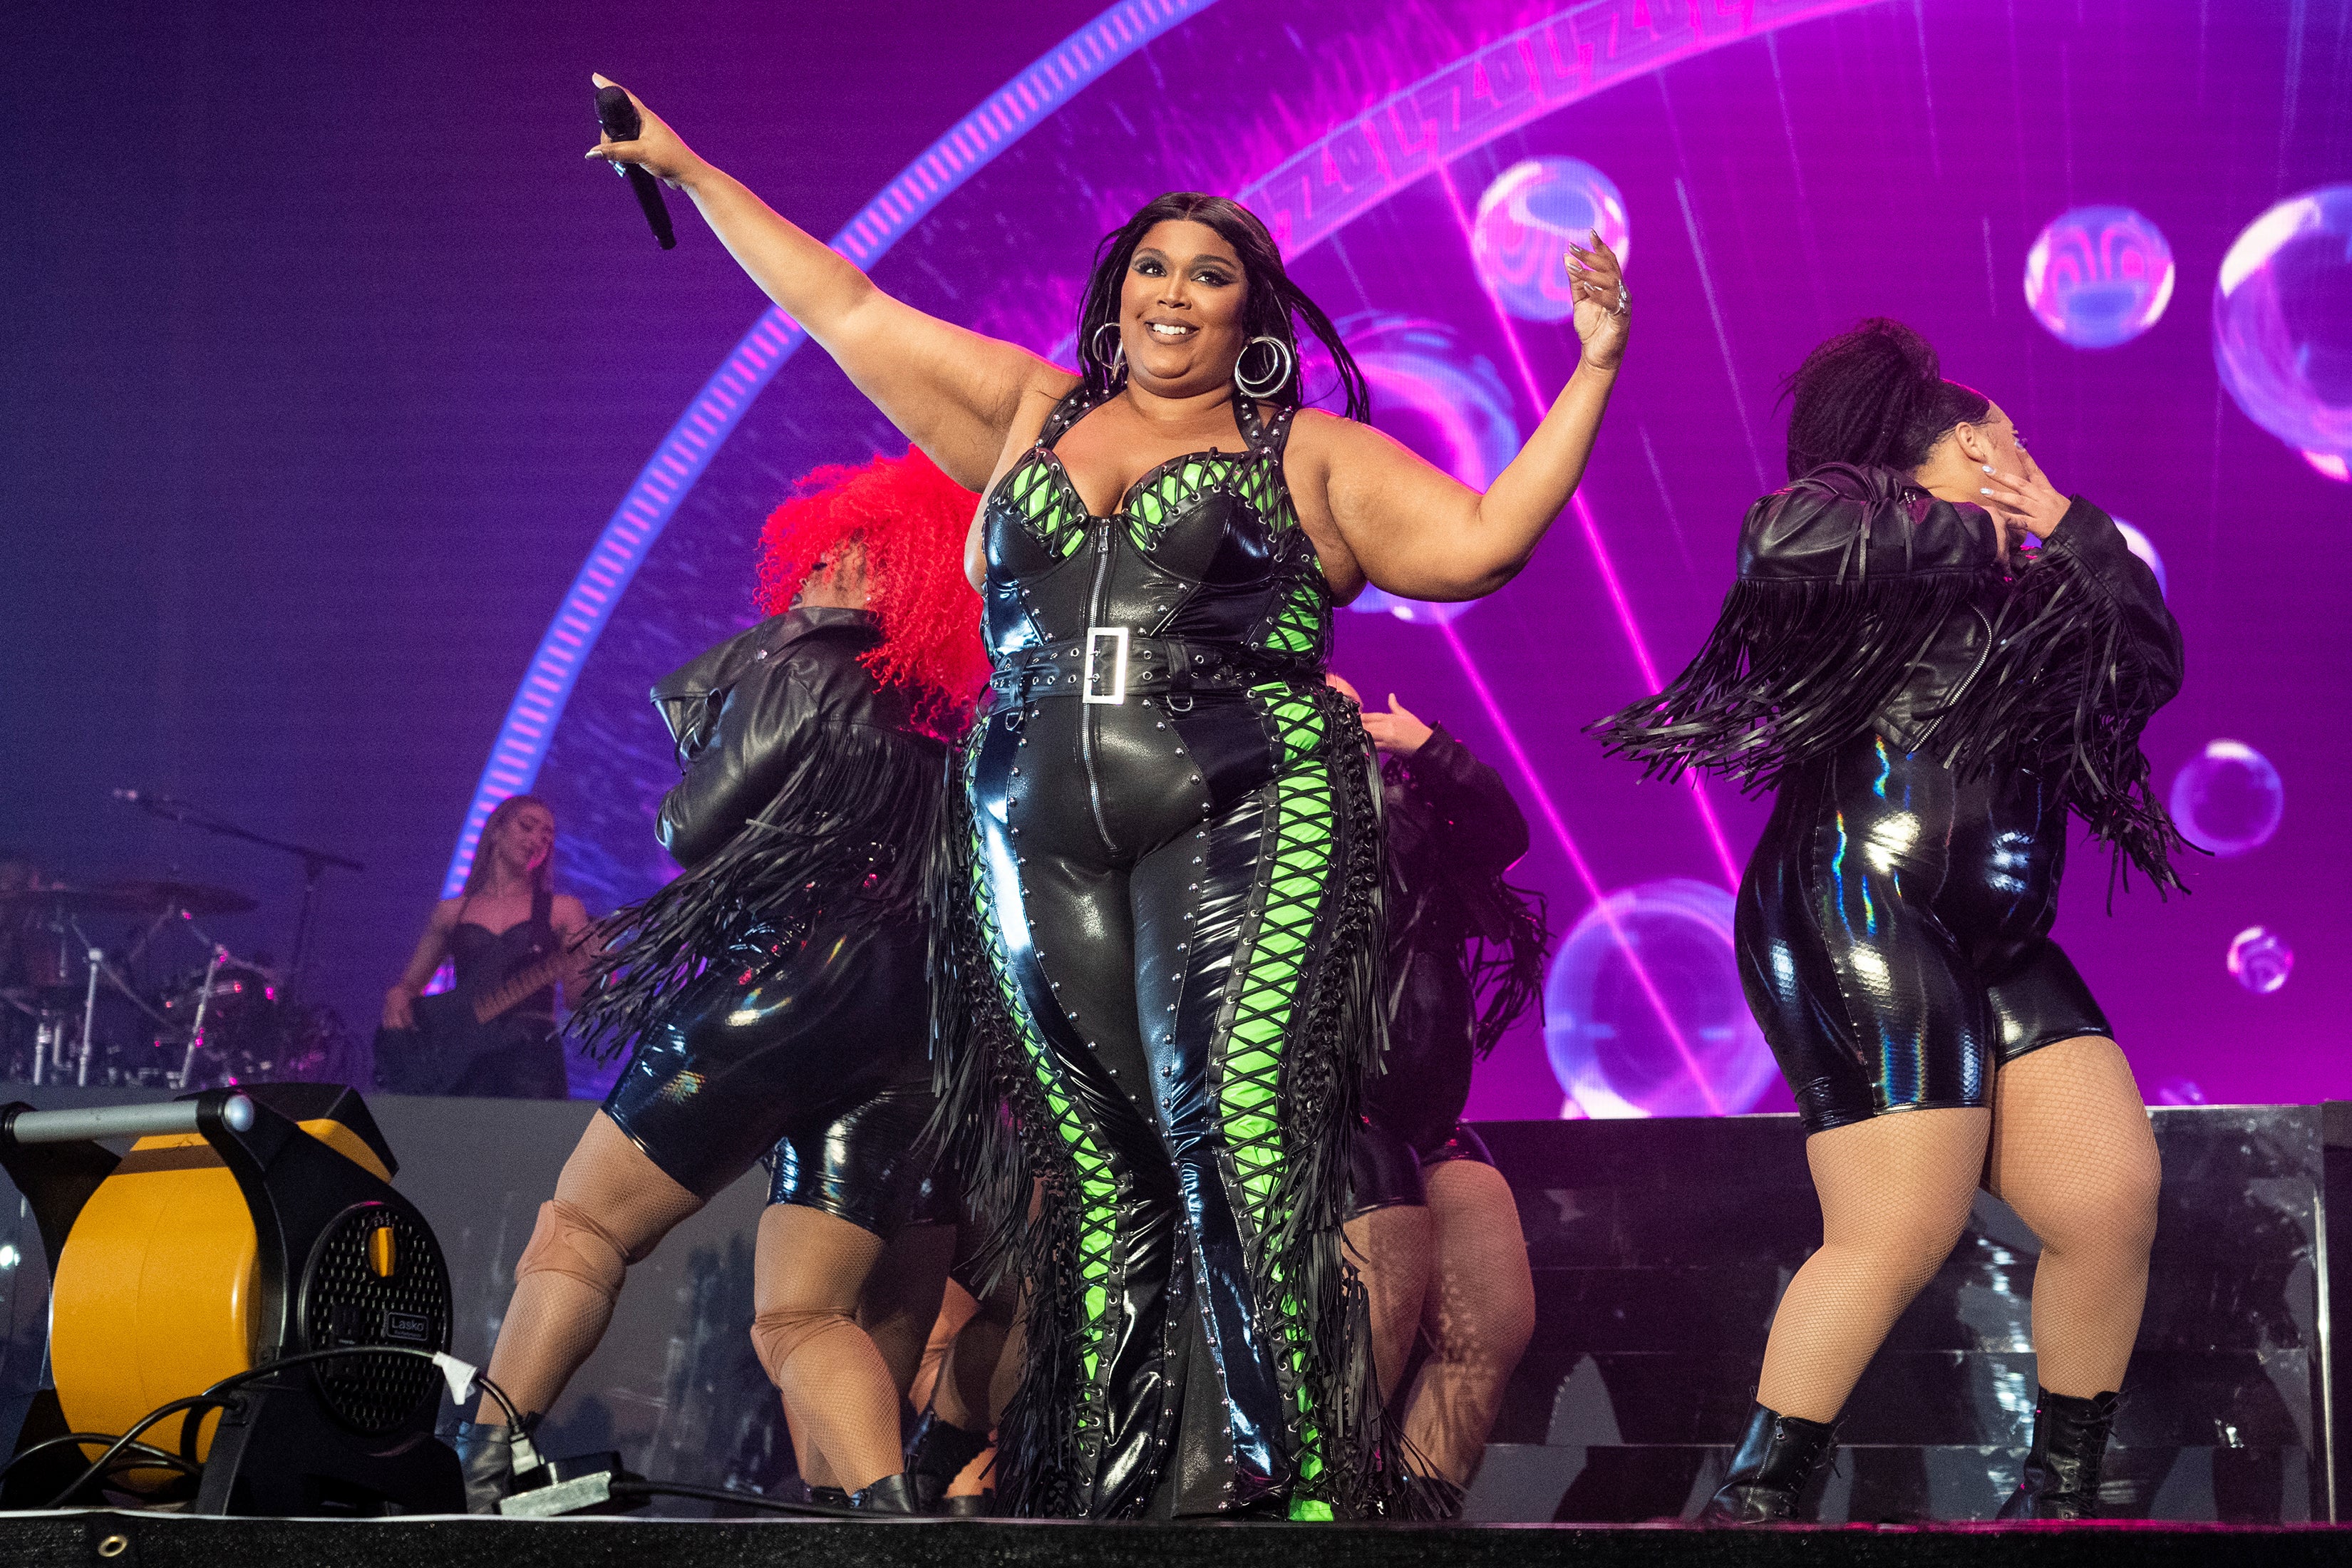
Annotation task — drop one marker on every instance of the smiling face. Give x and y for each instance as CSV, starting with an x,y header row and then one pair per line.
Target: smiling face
x,y
1181,308
527,840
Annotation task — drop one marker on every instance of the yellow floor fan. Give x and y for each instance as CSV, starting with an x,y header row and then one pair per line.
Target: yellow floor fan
x,y
243,1227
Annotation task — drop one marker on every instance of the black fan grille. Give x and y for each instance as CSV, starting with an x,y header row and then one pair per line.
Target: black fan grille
x,y
346,1303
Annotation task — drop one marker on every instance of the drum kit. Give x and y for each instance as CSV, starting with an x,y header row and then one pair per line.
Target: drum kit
x,y
148,1016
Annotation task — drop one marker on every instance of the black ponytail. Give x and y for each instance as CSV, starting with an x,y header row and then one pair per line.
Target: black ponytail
x,y
1274,306
1875,397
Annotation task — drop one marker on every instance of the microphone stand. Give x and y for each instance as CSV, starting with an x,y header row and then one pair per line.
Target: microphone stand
x,y
315,864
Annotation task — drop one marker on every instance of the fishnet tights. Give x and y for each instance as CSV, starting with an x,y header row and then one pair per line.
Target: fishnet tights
x,y
2073,1153
1479,1314
1393,1250
2066,1143
555,1320
840,1324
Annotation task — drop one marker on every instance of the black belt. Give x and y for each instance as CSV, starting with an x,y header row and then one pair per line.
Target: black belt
x,y
1111,664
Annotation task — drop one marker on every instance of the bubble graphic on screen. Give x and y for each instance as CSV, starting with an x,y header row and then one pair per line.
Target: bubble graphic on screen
x,y
2227,799
2141,545
1609,1047
1431,392
2282,324
2259,960
1526,220
2098,277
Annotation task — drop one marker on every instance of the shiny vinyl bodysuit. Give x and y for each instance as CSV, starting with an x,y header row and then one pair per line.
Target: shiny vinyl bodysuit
x,y
1174,859
1927,717
777,1007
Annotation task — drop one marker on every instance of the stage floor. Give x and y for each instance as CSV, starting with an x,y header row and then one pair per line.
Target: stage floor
x,y
148,1541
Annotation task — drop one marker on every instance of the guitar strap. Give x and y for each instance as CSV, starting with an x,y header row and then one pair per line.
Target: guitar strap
x,y
542,924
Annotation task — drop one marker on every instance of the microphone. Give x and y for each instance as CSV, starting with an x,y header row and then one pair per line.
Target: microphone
x,y
618,119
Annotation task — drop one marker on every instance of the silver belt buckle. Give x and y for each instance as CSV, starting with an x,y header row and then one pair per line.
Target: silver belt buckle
x,y
1095,635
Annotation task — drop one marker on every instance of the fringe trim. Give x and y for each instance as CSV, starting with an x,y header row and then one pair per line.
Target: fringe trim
x,y
1509,976
998,1132
1794,668
1339,1034
995,1132
2061,693
846,840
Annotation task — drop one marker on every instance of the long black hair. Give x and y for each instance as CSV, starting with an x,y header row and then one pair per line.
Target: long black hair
x,y
1876,398
1274,306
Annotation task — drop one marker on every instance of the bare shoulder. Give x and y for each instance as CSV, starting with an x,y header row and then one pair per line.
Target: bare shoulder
x,y
1334,439
1038,401
444,914
568,911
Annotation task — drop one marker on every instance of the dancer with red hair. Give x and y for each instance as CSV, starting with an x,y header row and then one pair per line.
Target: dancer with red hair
x,y
775,994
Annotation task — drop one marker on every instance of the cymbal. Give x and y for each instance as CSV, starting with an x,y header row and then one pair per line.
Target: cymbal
x,y
77,900
196,897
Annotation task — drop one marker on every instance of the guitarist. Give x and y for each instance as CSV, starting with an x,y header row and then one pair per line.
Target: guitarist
x,y
508,919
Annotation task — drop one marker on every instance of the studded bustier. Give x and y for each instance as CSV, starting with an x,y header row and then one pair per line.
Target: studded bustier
x,y
1204,566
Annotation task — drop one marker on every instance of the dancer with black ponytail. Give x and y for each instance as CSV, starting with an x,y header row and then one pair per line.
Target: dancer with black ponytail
x,y
1171,853
1929,703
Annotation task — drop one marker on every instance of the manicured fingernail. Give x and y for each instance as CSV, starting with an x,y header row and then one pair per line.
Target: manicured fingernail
x,y
1984,492
1988,468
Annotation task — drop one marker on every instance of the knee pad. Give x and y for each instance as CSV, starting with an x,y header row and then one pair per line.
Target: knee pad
x,y
566,1241
779,1335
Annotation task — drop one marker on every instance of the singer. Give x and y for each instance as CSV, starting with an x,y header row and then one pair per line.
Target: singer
x,y
1166,877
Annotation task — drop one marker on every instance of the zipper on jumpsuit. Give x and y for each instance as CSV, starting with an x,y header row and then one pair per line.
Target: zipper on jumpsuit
x,y
1087,715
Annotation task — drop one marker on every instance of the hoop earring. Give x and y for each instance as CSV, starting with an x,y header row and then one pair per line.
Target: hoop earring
x,y
1285,363
1115,361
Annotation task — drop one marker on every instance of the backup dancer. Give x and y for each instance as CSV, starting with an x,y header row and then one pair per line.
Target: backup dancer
x,y
1167,951
775,993
1435,1227
1927,704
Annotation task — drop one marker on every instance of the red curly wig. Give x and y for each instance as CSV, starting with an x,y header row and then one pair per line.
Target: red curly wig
x,y
910,519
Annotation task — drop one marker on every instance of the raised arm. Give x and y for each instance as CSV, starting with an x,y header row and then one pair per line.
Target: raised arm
x,y
1413,529
954,393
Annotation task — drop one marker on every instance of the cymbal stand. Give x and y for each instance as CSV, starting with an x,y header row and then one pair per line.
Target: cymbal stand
x,y
196,1029
315,863
88,1017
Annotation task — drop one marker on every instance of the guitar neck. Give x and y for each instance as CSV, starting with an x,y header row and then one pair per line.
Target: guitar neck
x,y
516,987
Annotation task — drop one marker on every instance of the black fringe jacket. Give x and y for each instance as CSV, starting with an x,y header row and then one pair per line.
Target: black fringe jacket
x,y
807,799
1863,604
1465,949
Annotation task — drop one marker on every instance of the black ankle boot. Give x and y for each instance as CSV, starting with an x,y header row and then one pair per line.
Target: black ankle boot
x,y
981,1507
891,1494
1777,1455
937,1453
485,1460
2069,1447
828,1497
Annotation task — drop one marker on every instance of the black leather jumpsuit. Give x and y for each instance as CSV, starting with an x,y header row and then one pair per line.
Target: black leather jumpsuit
x,y
1926,721
1173,856
776,991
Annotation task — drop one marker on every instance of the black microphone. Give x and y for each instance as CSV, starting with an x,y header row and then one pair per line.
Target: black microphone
x,y
618,119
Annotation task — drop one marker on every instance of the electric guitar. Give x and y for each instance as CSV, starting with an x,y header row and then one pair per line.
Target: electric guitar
x,y
454,1027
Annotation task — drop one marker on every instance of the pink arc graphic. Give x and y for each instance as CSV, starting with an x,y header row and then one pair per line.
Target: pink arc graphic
x,y
1414,131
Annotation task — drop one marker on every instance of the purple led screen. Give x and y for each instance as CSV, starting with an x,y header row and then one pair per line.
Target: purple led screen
x,y
1778,185
1784,169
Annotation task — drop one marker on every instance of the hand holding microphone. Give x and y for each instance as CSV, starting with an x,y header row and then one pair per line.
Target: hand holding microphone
x,y
635,155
